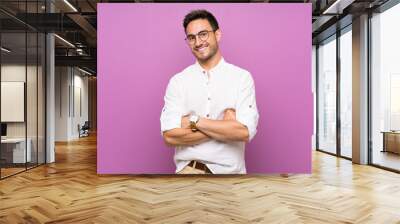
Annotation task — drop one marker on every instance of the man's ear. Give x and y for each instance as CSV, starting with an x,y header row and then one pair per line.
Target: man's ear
x,y
218,34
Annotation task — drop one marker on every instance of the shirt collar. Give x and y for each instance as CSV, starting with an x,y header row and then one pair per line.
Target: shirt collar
x,y
215,68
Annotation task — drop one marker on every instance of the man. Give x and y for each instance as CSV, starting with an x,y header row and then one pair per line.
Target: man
x,y
210,109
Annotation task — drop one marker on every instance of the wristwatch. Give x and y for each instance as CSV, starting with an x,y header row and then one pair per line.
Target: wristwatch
x,y
193,119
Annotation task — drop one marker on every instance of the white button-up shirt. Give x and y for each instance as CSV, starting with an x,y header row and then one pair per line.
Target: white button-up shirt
x,y
208,94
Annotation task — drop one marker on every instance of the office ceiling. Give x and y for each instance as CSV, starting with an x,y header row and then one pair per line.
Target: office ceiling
x,y
76,22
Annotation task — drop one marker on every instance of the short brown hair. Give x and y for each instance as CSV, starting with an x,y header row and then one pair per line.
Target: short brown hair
x,y
201,14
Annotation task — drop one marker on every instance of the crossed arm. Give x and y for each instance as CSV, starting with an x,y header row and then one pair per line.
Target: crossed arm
x,y
226,130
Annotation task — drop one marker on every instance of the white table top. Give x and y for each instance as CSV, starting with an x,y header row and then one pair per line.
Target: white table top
x,y
14,140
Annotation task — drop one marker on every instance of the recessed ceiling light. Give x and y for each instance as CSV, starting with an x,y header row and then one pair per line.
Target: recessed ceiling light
x,y
5,50
70,5
338,6
84,71
64,40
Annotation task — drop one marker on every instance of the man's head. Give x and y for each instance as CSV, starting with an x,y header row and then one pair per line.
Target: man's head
x,y
202,34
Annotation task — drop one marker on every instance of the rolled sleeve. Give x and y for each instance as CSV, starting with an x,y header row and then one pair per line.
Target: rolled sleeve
x,y
171,113
246,107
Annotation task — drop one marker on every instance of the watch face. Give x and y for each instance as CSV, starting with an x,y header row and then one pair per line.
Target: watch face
x,y
193,118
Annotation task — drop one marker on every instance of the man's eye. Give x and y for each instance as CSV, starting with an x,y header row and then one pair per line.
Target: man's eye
x,y
190,37
203,34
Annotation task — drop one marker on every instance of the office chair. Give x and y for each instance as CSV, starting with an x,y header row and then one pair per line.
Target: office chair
x,y
84,130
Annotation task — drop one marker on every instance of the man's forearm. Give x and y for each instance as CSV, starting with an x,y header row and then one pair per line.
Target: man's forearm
x,y
184,136
223,130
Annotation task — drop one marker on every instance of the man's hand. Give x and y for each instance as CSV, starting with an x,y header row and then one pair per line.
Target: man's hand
x,y
226,130
184,136
185,123
229,114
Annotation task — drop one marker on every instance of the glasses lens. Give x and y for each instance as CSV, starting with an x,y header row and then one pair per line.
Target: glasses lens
x,y
191,39
203,35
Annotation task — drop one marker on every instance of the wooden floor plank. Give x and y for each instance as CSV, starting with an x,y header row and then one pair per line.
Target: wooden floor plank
x,y
70,191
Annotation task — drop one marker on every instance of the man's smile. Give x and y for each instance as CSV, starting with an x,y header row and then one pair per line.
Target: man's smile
x,y
202,48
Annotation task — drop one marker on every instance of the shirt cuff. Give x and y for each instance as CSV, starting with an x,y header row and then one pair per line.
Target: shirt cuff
x,y
169,124
250,121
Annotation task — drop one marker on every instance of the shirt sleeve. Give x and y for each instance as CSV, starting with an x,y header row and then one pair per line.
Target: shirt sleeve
x,y
172,111
246,106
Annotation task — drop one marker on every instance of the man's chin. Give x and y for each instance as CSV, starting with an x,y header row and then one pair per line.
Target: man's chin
x,y
202,58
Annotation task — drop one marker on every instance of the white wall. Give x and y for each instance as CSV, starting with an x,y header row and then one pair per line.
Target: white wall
x,y
70,83
61,103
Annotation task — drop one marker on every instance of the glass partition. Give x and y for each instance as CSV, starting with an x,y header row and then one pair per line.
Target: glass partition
x,y
32,95
22,63
327,95
14,153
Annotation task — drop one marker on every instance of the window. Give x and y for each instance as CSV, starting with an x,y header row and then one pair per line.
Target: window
x,y
346,92
327,95
385,88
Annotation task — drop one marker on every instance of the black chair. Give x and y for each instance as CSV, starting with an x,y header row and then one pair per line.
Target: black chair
x,y
84,130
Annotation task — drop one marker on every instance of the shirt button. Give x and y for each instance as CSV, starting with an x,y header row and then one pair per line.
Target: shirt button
x,y
209,98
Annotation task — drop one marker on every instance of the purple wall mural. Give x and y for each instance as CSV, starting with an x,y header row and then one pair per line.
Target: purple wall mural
x,y
141,46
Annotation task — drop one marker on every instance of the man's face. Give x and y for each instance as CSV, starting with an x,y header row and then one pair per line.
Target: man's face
x,y
204,45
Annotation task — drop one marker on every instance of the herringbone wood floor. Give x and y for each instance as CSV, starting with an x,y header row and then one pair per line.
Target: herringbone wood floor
x,y
70,191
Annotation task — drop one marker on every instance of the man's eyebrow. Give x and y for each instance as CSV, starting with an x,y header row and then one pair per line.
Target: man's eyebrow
x,y
196,33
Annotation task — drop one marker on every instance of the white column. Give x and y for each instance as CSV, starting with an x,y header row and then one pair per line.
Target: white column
x,y
360,90
50,100
50,92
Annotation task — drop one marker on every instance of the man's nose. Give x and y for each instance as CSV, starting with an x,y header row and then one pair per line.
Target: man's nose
x,y
197,41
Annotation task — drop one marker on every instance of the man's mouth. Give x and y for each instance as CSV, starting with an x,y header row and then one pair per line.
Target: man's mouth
x,y
201,49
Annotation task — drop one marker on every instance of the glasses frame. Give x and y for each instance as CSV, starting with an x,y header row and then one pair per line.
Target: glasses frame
x,y
197,35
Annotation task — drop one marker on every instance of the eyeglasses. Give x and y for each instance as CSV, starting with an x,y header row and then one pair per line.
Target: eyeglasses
x,y
203,36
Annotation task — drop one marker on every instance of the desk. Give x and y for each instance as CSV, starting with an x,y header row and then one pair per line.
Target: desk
x,y
391,141
13,150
